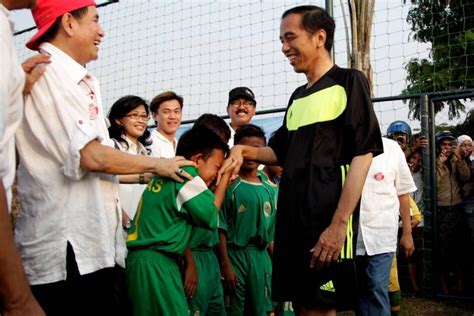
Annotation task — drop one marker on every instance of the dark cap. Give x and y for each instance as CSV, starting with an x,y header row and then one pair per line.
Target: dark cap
x,y
241,92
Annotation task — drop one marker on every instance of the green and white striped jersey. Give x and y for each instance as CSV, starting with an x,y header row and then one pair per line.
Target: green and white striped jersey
x,y
167,212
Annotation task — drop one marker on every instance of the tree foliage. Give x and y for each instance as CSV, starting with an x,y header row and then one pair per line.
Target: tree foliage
x,y
449,26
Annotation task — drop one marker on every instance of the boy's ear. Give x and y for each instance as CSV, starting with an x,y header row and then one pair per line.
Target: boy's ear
x,y
197,158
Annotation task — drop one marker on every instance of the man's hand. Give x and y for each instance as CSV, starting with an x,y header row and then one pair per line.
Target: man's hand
x,y
33,70
171,168
329,245
406,244
420,142
229,278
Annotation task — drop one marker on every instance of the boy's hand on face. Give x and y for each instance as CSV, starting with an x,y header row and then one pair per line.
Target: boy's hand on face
x,y
234,160
226,172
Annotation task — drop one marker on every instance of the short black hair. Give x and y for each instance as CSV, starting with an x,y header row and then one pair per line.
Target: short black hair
x,y
163,97
314,18
200,140
249,130
215,124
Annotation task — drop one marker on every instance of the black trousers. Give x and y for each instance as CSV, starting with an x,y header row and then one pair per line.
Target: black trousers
x,y
99,293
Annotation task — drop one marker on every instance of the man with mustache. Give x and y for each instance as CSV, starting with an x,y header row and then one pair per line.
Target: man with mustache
x,y
241,109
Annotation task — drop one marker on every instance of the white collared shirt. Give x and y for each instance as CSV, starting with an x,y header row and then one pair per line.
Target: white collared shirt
x,y
61,202
12,79
232,135
130,193
388,178
161,146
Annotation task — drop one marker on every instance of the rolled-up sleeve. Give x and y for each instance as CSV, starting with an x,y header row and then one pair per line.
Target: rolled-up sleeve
x,y
83,135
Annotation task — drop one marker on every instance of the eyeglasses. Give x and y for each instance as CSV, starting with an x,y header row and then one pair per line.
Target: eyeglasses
x,y
245,104
136,116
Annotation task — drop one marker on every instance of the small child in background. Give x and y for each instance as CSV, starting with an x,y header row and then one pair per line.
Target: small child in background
x,y
416,208
245,230
208,296
162,226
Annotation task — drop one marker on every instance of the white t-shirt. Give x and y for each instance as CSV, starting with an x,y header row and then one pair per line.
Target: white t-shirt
x,y
12,80
61,202
161,146
388,178
130,193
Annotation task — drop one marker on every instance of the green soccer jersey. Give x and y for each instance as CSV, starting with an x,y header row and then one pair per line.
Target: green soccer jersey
x,y
270,220
203,238
167,212
248,211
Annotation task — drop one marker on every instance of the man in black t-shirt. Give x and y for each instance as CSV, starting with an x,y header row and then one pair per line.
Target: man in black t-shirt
x,y
325,146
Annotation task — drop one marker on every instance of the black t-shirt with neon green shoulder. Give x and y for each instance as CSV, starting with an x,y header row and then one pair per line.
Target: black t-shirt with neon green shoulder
x,y
167,212
324,128
247,213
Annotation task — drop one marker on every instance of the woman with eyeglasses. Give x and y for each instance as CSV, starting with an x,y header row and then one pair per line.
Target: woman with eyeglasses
x,y
128,118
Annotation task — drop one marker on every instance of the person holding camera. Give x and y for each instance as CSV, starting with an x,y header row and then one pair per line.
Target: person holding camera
x,y
451,172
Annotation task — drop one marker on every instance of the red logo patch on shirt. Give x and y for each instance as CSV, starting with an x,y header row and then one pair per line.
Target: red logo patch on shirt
x,y
379,176
93,111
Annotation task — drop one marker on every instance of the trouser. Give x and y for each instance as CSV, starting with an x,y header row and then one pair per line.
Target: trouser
x,y
373,278
209,296
154,284
97,293
249,296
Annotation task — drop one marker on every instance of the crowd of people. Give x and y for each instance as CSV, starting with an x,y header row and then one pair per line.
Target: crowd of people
x,y
117,218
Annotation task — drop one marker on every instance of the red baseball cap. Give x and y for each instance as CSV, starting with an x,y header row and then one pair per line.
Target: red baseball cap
x,y
47,11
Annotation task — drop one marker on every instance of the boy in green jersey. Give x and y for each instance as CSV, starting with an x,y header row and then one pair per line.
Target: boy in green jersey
x,y
166,214
246,224
207,298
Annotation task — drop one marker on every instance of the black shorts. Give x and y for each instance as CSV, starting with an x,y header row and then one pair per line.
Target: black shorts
x,y
331,287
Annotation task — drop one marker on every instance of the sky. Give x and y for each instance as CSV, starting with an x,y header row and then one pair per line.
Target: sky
x,y
202,49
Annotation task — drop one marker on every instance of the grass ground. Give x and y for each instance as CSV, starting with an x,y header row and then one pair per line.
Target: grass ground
x,y
415,306
421,306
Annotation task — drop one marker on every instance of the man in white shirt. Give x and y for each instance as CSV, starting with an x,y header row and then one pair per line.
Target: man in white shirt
x,y
167,111
69,230
385,196
15,293
241,109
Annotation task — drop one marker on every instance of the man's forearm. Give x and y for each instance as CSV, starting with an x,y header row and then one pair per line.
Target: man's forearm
x,y
352,189
96,157
263,155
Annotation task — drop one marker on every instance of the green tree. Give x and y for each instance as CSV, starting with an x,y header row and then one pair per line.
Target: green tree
x,y
449,26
